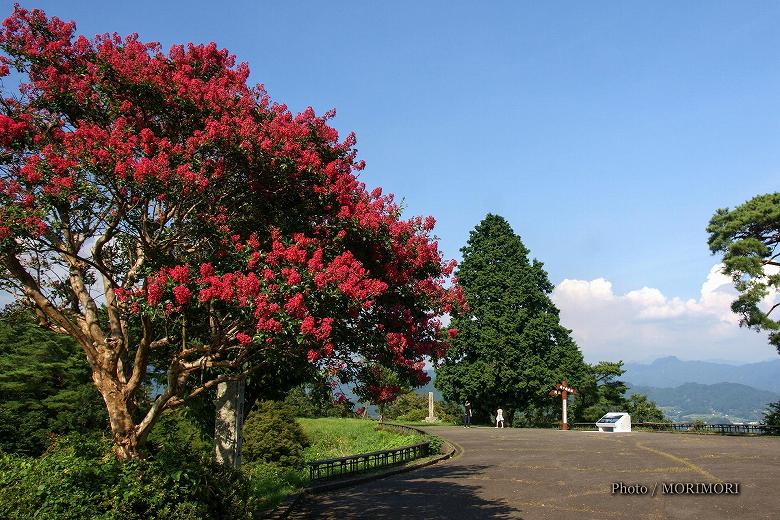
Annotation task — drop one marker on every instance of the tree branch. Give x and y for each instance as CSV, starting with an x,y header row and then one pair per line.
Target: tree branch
x,y
33,292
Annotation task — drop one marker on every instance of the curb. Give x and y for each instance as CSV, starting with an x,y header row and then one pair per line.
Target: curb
x,y
284,509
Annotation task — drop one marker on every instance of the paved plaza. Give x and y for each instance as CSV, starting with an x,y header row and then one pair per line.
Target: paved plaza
x,y
549,474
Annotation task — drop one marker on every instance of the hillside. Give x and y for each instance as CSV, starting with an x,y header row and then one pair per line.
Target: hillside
x,y
672,372
729,402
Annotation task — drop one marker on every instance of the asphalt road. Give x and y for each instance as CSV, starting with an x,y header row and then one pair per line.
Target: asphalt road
x,y
548,474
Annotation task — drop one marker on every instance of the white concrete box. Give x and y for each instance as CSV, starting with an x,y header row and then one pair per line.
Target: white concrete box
x,y
614,422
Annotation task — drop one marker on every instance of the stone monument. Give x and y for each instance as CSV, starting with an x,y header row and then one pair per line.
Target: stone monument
x,y
431,415
229,422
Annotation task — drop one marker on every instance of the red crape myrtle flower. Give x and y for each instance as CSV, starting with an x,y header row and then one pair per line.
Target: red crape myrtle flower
x,y
228,234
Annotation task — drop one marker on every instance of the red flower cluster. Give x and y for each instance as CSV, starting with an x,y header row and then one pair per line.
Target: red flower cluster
x,y
383,393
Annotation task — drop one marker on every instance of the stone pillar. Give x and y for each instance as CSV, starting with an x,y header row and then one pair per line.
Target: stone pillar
x,y
229,422
431,415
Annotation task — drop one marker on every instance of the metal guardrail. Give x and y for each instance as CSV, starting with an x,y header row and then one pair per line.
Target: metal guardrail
x,y
733,429
325,469
331,468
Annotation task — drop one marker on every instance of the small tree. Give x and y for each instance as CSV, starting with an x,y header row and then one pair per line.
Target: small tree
x,y
221,234
749,236
380,386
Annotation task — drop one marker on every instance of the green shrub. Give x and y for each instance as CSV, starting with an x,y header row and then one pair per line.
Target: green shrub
x,y
414,415
271,434
79,477
435,444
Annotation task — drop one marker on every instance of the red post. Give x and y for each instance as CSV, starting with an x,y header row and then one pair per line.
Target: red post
x,y
563,389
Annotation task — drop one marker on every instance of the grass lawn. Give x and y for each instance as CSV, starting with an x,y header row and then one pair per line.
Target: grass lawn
x,y
423,424
334,437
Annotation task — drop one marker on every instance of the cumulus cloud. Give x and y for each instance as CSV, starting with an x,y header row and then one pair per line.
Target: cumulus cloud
x,y
645,324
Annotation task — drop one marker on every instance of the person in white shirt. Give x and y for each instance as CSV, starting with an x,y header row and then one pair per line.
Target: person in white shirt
x,y
499,417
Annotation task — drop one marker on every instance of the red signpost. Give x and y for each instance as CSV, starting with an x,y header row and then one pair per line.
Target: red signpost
x,y
563,389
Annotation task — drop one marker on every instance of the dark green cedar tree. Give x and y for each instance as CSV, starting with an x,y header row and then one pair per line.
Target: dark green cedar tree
x,y
45,386
511,348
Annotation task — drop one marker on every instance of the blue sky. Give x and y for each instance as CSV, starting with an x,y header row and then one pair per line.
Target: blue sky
x,y
606,133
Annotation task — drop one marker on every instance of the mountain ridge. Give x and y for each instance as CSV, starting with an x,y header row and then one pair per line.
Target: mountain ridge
x,y
727,402
670,372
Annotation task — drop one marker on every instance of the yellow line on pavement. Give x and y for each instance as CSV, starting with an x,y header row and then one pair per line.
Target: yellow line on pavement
x,y
681,460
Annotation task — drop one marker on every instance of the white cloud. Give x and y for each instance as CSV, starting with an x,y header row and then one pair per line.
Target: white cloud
x,y
644,324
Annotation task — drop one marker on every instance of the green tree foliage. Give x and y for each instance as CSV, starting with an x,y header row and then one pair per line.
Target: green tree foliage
x,y
180,428
601,392
411,406
542,414
604,392
316,400
772,415
510,348
301,403
271,434
749,236
642,409
45,386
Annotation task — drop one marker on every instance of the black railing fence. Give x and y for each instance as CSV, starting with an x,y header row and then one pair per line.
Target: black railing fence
x,y
733,429
325,469
337,467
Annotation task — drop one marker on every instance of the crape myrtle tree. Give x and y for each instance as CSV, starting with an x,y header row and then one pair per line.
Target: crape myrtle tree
x,y
748,236
510,348
221,234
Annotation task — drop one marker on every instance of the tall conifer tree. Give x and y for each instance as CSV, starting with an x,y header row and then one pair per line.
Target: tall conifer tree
x,y
511,348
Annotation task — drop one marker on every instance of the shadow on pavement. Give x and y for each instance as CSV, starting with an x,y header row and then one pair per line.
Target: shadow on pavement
x,y
432,493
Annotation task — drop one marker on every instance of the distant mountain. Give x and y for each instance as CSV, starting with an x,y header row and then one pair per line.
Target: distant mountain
x,y
730,402
672,372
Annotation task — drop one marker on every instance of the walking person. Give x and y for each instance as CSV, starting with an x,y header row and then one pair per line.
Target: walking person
x,y
500,417
467,414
